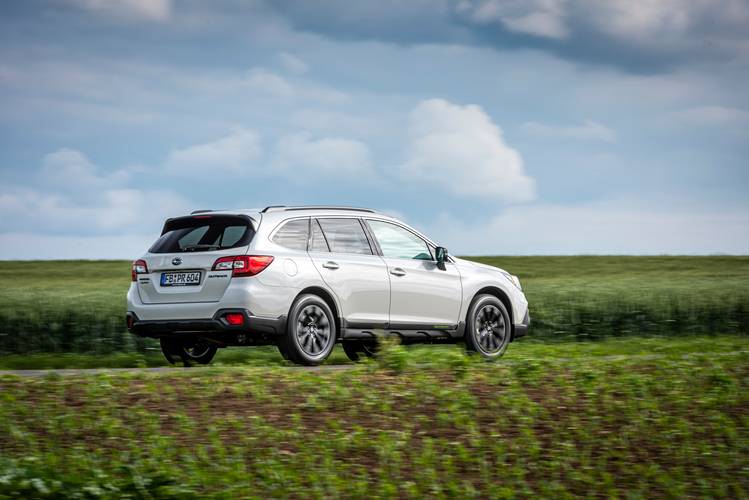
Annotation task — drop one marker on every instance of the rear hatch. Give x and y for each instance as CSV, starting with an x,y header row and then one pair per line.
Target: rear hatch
x,y
180,263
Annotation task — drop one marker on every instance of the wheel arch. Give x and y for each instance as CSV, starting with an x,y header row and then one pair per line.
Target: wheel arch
x,y
328,298
502,296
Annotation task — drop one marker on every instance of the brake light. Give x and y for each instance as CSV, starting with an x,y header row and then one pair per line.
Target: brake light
x,y
243,265
139,267
235,319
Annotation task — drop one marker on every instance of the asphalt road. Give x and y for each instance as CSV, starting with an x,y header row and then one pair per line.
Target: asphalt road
x,y
159,369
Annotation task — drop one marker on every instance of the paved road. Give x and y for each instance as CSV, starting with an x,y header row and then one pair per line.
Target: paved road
x,y
164,369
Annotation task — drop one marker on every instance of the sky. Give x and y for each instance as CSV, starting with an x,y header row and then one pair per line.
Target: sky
x,y
494,126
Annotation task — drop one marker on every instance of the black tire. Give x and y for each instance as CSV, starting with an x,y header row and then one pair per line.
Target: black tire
x,y
355,348
170,350
310,331
190,352
488,327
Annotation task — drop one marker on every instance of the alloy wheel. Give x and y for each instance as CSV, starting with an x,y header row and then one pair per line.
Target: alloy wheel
x,y
313,330
490,329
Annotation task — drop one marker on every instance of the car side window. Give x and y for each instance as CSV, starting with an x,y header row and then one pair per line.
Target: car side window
x,y
317,242
345,236
293,234
399,243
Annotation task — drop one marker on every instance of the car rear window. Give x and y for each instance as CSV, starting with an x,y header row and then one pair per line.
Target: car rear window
x,y
204,233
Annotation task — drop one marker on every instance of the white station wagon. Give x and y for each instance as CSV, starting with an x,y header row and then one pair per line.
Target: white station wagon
x,y
304,278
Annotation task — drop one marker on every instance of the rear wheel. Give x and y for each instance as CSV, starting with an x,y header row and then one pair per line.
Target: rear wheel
x,y
310,331
488,327
189,352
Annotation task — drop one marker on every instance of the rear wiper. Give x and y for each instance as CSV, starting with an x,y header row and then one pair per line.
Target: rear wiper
x,y
192,248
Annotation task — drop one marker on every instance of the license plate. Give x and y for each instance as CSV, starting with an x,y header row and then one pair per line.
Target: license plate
x,y
181,278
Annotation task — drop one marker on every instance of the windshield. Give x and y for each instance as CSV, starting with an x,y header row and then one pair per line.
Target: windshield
x,y
203,233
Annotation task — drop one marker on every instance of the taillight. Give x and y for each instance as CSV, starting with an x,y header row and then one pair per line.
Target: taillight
x,y
235,319
139,267
243,265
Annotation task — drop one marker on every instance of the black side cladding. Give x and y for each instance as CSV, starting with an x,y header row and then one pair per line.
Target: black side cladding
x,y
521,330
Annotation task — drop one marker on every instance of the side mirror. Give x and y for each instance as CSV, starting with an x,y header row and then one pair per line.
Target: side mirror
x,y
440,254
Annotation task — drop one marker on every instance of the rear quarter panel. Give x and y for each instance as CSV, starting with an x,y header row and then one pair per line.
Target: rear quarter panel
x,y
290,272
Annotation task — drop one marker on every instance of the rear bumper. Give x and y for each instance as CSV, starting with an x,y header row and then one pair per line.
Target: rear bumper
x,y
521,330
258,326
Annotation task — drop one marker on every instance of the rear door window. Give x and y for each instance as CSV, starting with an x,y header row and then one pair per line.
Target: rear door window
x,y
345,236
204,233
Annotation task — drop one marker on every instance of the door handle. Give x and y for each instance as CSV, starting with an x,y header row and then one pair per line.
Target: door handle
x,y
330,265
397,272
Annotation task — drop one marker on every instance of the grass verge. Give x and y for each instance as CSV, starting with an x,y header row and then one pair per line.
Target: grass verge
x,y
417,355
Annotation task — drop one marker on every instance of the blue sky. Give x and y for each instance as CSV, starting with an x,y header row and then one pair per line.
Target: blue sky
x,y
495,126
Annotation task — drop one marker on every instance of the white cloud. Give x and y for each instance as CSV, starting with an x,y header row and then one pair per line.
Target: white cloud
x,y
267,82
630,19
460,148
589,130
686,27
119,210
292,63
653,28
264,81
26,246
299,154
71,170
234,154
613,228
146,10
544,18
75,198
241,153
712,116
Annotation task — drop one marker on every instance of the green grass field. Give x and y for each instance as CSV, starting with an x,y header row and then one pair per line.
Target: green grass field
x,y
627,418
78,306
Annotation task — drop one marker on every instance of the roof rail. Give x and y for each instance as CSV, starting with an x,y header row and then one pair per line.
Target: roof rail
x,y
201,211
315,207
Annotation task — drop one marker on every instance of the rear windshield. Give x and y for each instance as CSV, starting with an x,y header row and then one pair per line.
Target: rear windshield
x,y
204,233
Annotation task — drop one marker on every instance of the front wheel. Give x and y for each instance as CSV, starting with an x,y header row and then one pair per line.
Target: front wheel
x,y
488,327
310,331
189,352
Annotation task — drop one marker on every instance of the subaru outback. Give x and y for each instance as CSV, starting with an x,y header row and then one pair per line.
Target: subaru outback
x,y
306,278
